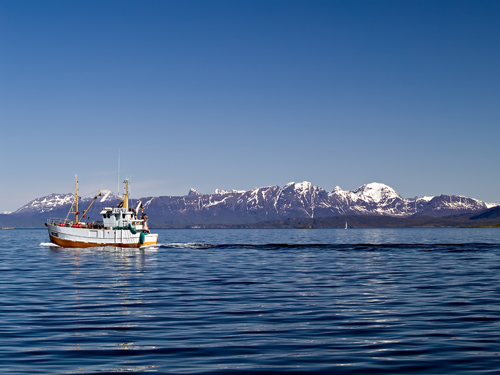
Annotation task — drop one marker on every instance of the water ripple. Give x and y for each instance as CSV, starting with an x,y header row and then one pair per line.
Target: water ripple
x,y
232,304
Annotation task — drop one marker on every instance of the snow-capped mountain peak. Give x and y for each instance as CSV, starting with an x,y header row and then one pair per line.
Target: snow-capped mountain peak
x,y
376,192
47,203
224,192
193,192
55,201
426,198
294,200
300,187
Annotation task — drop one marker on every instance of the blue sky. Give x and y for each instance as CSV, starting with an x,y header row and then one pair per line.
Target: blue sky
x,y
243,94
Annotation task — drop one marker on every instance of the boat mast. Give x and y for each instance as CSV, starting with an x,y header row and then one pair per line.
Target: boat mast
x,y
125,198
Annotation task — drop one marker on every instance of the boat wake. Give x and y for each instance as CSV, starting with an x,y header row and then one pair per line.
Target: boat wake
x,y
190,245
335,247
48,244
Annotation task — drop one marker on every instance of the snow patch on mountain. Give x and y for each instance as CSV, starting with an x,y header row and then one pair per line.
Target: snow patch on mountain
x,y
376,192
459,202
294,200
105,194
148,202
54,201
300,187
426,198
193,192
46,204
216,202
224,192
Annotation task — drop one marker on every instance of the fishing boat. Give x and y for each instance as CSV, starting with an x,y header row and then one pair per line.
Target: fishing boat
x,y
120,226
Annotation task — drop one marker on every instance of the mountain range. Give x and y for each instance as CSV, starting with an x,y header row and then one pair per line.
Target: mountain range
x,y
293,205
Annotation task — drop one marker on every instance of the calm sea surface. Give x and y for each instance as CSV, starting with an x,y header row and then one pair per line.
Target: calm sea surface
x,y
356,301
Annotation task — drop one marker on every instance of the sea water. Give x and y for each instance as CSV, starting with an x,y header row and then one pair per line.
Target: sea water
x,y
356,301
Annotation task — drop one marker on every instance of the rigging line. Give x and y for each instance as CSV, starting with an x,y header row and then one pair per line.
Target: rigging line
x,y
89,194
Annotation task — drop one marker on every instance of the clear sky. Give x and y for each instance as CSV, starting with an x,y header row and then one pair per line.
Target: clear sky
x,y
242,94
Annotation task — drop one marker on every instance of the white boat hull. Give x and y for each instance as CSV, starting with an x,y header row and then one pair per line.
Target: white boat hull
x,y
86,237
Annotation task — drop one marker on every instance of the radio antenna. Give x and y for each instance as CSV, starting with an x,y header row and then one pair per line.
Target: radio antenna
x,y
118,173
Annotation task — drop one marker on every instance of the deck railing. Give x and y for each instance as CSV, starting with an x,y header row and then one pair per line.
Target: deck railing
x,y
58,222
69,223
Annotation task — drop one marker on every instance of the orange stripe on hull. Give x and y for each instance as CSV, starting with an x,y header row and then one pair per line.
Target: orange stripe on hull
x,y
148,244
69,243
